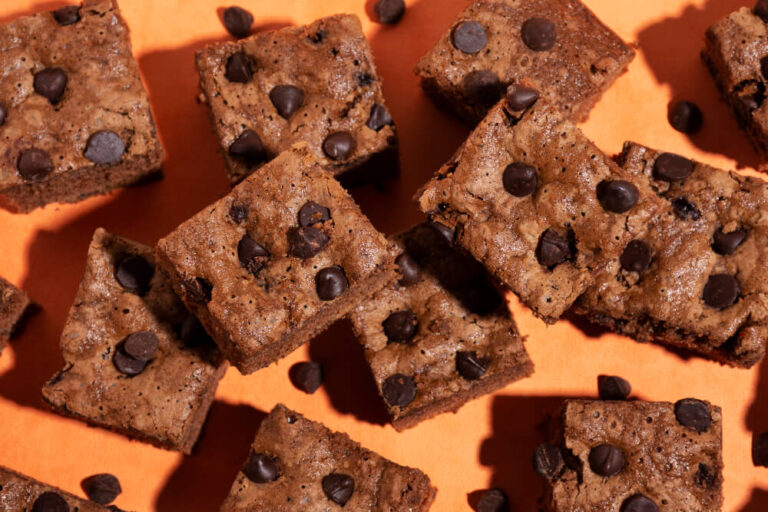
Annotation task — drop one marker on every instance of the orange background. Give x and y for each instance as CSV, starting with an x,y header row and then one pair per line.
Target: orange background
x,y
490,441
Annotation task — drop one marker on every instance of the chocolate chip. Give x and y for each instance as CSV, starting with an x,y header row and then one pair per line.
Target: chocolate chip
x,y
67,15
639,503
306,376
338,488
193,334
331,282
126,364
249,147
539,34
51,83
611,387
761,10
364,79
102,488
401,326
409,270
721,291
617,196
34,164
482,87
312,213
50,502
685,117
318,37
607,460
447,233
306,242
693,414
493,500
552,249
3,114
141,345
379,117
636,257
469,37
727,243
764,67
760,450
198,290
261,468
104,147
520,179
398,390
287,99
338,146
238,213
239,68
671,167
685,210
252,256
470,366
389,11
520,98
237,21
134,273
706,477
548,461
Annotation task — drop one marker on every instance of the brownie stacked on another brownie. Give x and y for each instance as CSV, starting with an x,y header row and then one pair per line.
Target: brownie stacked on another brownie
x,y
440,336
298,464
14,305
19,493
316,84
74,116
136,361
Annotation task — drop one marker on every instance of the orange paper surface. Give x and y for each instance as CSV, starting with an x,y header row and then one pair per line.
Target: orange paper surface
x,y
489,442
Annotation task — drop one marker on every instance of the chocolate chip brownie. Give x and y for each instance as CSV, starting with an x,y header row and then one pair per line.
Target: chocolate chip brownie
x,y
634,456
441,335
74,116
19,493
273,263
14,306
316,84
558,46
296,463
136,361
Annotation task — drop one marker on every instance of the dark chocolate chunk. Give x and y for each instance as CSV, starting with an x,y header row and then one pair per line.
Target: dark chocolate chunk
x,y
760,450
706,477
141,345
493,500
409,270
252,256
401,326
308,377
693,414
102,488
389,11
447,233
331,282
339,146
552,249
67,15
617,196
607,460
364,79
611,387
126,364
721,291
548,461
520,98
51,83
338,488
671,167
34,164
239,68
761,10
238,213
398,390
685,210
237,21
50,502
539,34
482,87
685,117
198,290
104,147
469,37
636,256
639,503
520,179
312,213
3,114
193,334
261,468
249,147
727,243
306,242
470,366
379,117
287,99
134,273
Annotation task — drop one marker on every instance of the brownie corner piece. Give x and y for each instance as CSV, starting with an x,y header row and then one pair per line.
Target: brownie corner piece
x,y
129,341
75,119
21,493
316,83
558,46
15,306
294,462
282,256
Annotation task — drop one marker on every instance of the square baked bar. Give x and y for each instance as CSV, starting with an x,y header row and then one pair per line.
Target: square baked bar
x,y
14,306
316,84
298,464
135,361
19,493
557,46
74,116
440,336
276,261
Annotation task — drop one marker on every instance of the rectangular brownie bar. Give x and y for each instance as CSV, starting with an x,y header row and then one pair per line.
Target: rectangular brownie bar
x,y
135,361
440,336
296,463
558,46
280,258
74,116
14,306
20,493
317,84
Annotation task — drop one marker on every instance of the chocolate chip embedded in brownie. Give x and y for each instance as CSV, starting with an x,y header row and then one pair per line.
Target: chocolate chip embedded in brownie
x,y
14,306
316,84
440,336
20,492
295,462
558,46
74,117
129,341
634,456
273,263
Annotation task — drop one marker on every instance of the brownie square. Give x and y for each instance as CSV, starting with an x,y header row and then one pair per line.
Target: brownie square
x,y
296,463
136,362
74,116
558,46
317,84
282,256
440,336
14,306
22,493
639,456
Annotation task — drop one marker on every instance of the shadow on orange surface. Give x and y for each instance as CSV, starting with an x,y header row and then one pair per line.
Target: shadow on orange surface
x,y
757,416
758,502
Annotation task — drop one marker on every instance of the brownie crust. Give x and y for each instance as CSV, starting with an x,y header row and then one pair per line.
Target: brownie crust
x,y
14,307
19,493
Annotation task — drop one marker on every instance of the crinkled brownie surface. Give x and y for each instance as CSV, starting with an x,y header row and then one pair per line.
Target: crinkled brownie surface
x,y
22,493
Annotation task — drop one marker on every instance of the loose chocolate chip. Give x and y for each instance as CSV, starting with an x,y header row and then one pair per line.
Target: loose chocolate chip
x,y
617,196
141,345
470,366
760,450
482,87
193,334
493,500
401,326
338,146
287,99
548,460
50,502
102,488
469,37
447,233
198,290
607,460
520,179
539,34
379,117
331,282
304,243
252,256
239,68
104,147
552,249
338,488
238,213
261,468
51,83
671,167
312,213
34,164
685,117
67,15
409,270
398,390
693,414
134,273
721,291
636,257
685,210
611,387
727,243
639,503
761,10
306,376
237,21
706,477
3,114
389,11
520,98
249,147
126,364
